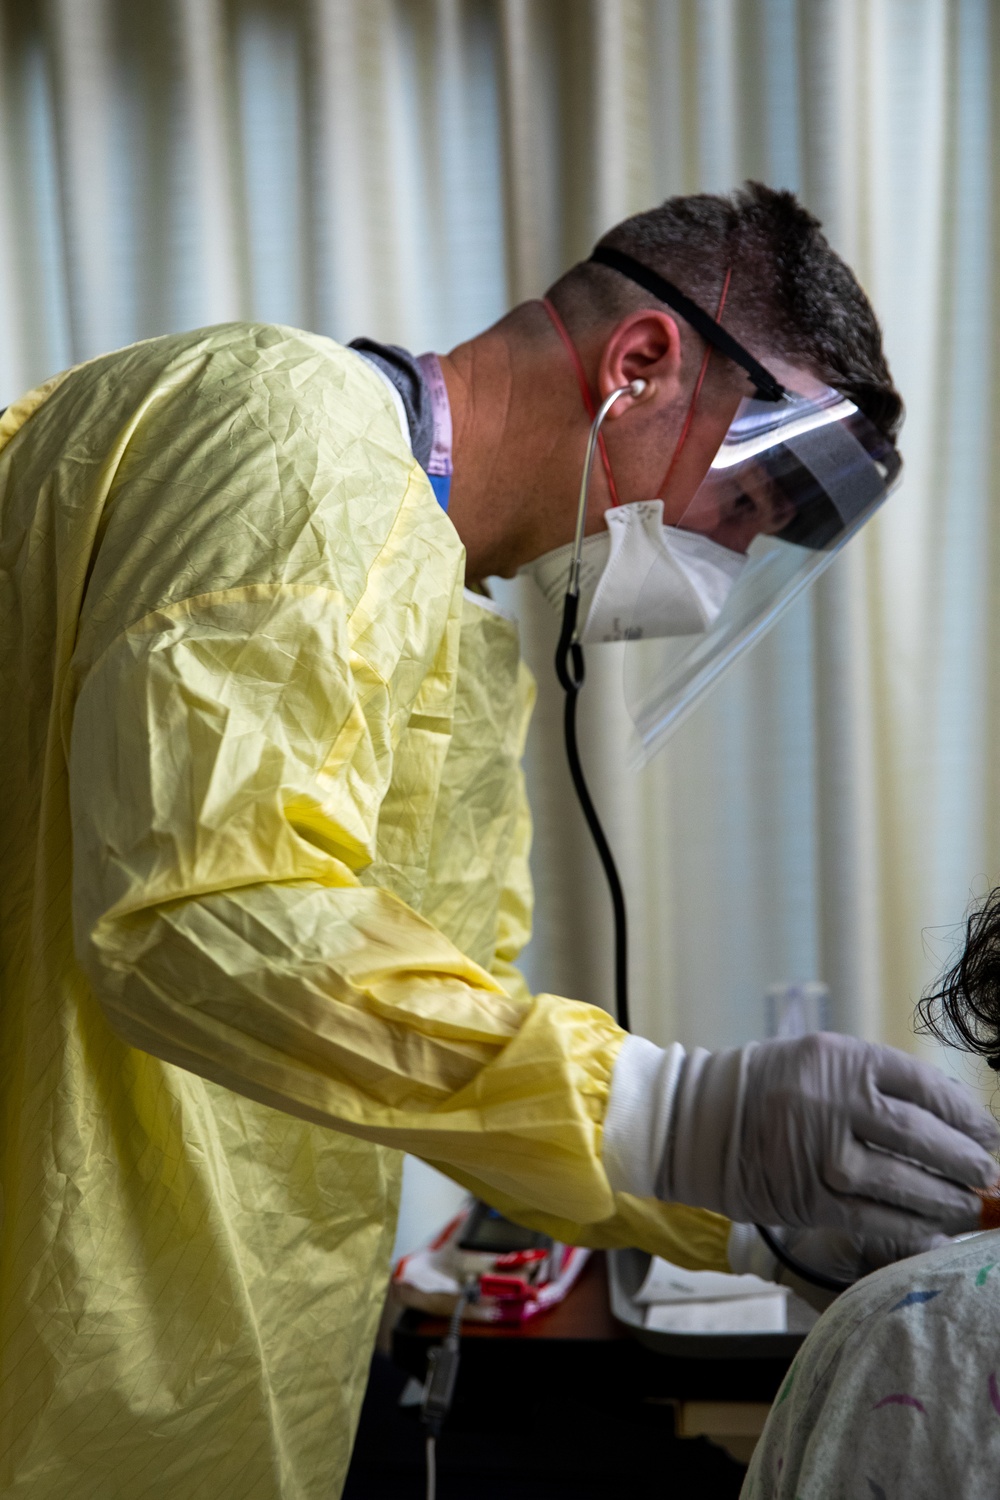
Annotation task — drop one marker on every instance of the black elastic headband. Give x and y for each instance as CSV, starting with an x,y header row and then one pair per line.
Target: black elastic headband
x,y
768,389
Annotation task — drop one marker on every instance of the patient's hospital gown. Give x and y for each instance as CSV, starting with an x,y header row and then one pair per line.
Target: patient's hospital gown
x,y
895,1395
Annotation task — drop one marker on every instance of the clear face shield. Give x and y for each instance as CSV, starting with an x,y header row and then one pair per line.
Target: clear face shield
x,y
792,482
694,579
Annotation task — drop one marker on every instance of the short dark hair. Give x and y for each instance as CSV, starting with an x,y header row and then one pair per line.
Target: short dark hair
x,y
964,1007
790,294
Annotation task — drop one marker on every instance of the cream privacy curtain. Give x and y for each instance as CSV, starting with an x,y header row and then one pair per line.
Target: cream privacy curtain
x,y
408,169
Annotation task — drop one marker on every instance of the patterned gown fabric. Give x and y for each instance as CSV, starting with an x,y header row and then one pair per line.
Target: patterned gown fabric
x,y
895,1395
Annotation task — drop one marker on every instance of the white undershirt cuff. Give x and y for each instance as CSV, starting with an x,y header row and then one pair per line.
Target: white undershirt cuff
x,y
637,1122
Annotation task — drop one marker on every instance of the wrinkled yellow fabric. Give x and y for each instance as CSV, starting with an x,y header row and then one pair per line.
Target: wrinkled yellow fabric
x,y
264,843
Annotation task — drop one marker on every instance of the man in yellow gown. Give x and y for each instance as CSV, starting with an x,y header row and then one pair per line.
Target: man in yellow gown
x,y
264,870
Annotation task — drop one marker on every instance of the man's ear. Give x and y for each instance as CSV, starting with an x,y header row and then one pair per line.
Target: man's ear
x,y
646,345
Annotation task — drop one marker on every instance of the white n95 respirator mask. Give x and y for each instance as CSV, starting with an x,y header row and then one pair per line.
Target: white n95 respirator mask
x,y
641,580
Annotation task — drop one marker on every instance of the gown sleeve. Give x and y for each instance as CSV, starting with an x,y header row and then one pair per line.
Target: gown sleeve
x,y
226,773
230,747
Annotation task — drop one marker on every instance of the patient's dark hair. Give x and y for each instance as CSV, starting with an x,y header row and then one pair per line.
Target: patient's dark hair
x,y
790,295
964,1009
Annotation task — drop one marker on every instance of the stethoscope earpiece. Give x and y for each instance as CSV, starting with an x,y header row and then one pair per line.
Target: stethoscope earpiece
x,y
634,388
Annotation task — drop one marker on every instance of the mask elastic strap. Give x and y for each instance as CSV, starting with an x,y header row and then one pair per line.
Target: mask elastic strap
x,y
588,400
689,419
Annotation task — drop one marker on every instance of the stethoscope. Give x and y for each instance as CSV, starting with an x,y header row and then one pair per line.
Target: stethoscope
x,y
571,673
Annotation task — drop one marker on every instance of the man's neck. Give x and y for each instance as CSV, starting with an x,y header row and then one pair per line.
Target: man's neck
x,y
513,408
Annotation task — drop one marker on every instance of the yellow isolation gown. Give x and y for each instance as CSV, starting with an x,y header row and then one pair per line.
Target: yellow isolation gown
x,y
263,876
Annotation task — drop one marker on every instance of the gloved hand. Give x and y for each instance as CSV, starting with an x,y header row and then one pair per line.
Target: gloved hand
x,y
827,1131
828,1252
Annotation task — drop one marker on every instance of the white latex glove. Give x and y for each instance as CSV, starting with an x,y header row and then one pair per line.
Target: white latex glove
x,y
821,1131
828,1252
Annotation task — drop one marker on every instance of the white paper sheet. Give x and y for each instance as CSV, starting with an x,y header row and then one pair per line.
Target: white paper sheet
x,y
669,1283
764,1314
